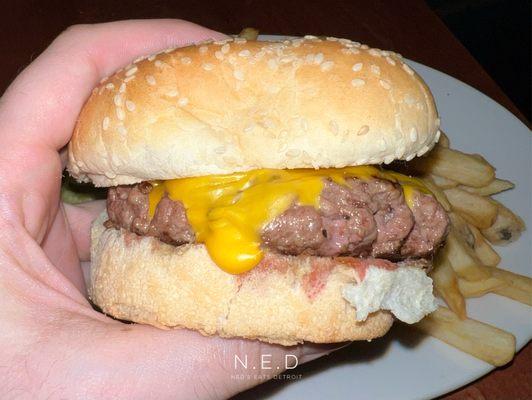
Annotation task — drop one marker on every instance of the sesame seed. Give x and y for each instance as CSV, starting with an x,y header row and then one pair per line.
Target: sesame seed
x,y
344,41
408,70
333,126
260,54
327,65
231,59
220,42
118,100
268,123
304,124
240,40
423,150
358,82
239,75
183,101
225,48
388,159
130,105
207,67
120,113
220,150
375,69
122,88
186,60
363,130
309,58
158,63
169,50
357,67
202,49
272,64
309,37
297,42
438,123
331,39
364,46
109,86
131,71
318,58
385,53
438,134
219,55
410,157
172,93
105,123
151,80
413,134
129,78
390,60
374,52
385,84
122,130
152,57
286,59
293,153
409,99
244,53
136,60
249,128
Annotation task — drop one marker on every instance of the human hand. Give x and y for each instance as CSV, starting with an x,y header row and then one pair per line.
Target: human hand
x,y
52,343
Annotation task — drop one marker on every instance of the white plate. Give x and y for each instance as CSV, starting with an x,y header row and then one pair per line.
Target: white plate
x,y
403,365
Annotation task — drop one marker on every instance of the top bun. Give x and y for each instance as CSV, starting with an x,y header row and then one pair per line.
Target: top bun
x,y
236,105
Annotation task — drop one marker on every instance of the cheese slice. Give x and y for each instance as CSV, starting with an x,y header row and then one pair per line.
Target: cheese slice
x,y
228,212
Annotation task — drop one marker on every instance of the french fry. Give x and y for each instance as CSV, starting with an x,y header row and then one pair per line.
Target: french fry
x,y
249,33
462,228
446,285
463,259
483,341
506,228
517,287
444,140
438,193
485,253
475,209
442,182
463,168
479,288
495,186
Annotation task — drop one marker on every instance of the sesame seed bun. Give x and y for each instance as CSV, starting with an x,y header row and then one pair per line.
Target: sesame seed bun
x,y
223,107
285,299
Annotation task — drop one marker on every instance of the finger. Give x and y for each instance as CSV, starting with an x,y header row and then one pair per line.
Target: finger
x,y
80,217
38,111
138,361
47,96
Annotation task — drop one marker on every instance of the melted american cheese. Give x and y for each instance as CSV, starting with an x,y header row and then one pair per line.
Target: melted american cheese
x,y
227,212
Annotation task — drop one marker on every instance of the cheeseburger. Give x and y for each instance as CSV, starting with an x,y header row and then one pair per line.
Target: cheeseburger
x,y
247,193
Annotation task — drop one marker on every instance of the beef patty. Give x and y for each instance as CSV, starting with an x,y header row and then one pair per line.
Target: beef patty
x,y
361,218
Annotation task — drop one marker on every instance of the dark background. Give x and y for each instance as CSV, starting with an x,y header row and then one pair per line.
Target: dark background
x,y
496,32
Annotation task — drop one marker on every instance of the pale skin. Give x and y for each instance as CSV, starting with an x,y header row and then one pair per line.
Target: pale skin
x,y
52,343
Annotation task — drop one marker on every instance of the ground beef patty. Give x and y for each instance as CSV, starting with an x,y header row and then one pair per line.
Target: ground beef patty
x,y
362,218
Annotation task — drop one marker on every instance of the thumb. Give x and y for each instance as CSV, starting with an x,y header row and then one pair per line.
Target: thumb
x,y
140,362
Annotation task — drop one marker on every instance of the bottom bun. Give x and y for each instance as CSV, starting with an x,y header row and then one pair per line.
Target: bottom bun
x,y
285,299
